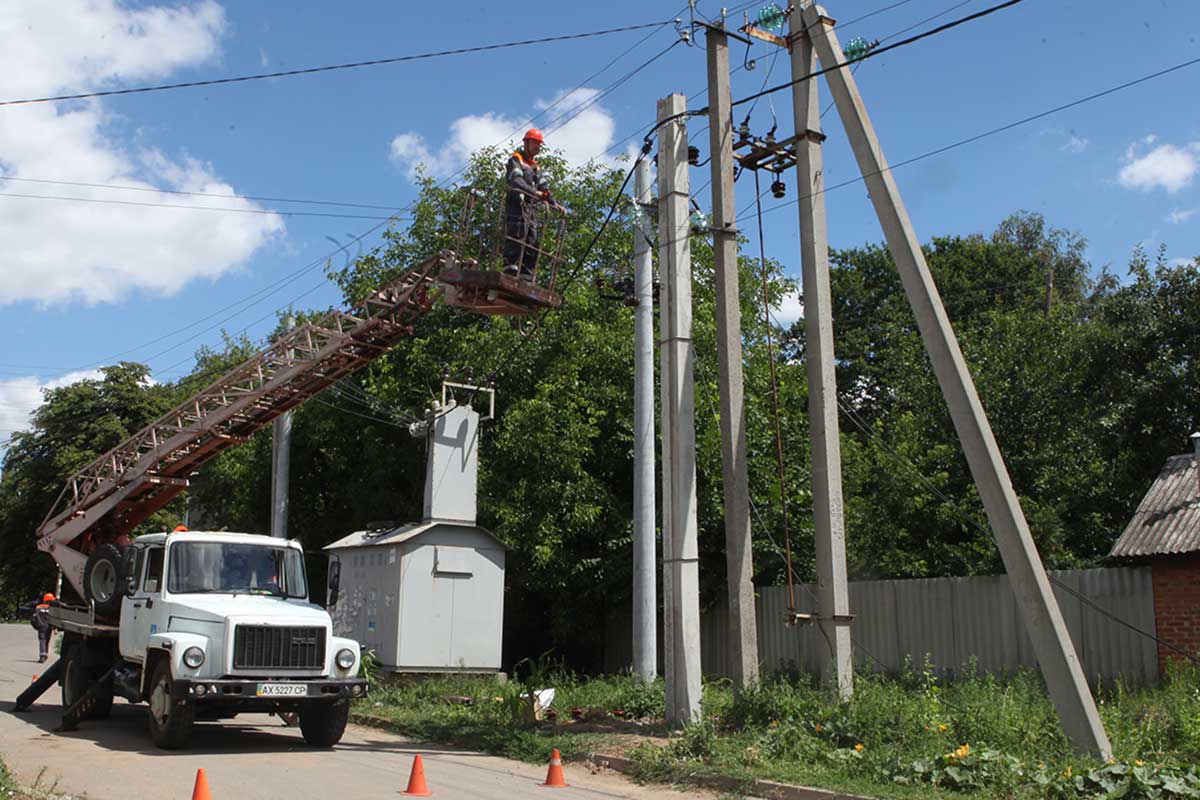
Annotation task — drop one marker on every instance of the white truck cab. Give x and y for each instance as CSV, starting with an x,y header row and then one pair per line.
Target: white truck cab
x,y
211,624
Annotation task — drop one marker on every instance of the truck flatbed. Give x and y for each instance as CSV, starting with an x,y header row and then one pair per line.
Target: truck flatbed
x,y
77,619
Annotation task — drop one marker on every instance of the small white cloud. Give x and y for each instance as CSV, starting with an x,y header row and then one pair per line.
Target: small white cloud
x,y
790,309
579,127
1075,145
1181,262
19,397
1181,215
1167,166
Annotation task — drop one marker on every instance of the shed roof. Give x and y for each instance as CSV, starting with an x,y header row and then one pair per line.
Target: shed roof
x,y
404,533
1167,521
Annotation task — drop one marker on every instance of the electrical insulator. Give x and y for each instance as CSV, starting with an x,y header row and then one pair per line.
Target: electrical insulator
x,y
744,130
770,17
858,47
699,223
694,156
778,189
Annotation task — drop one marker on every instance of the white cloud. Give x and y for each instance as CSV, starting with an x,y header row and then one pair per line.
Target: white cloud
x,y
580,139
1167,166
1181,215
60,251
790,309
1075,145
19,397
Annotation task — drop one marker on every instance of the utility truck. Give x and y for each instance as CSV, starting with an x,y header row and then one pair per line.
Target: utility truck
x,y
207,625
204,625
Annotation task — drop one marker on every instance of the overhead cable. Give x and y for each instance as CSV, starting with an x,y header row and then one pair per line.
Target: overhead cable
x,y
331,67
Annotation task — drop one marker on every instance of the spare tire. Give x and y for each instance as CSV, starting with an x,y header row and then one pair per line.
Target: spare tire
x,y
102,580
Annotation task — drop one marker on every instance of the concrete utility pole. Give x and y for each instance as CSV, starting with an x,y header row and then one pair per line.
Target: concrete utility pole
x,y
281,461
739,559
681,569
1043,619
645,599
833,594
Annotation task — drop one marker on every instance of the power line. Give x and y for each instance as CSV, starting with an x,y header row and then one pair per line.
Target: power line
x,y
256,198
331,67
881,50
264,211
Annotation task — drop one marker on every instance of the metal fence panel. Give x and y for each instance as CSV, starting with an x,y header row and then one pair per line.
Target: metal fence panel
x,y
952,620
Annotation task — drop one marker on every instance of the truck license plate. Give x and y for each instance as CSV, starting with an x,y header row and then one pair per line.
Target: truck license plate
x,y
282,689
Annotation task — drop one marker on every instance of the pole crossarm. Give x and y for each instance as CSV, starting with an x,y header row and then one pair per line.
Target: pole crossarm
x,y
137,477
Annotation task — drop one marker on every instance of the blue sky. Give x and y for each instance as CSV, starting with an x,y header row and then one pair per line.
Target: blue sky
x,y
83,283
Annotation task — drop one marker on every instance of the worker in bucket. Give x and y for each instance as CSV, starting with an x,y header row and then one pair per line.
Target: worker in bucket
x,y
527,187
40,619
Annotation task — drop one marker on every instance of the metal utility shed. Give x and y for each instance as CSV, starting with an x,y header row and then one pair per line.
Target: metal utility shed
x,y
429,596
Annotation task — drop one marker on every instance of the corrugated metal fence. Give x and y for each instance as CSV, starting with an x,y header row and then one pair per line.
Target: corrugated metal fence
x,y
951,620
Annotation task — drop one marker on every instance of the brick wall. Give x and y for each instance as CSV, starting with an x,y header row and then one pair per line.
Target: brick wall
x,y
1176,582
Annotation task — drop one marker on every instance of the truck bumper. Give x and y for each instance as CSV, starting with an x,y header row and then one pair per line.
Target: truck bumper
x,y
243,692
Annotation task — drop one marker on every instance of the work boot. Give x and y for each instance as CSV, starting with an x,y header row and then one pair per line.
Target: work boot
x,y
41,659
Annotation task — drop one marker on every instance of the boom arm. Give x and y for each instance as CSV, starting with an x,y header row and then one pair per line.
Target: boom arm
x,y
108,498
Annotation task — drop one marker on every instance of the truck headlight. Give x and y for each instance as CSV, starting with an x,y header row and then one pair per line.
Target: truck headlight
x,y
193,657
345,659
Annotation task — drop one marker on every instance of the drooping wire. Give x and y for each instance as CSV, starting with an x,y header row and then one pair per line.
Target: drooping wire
x,y
331,67
783,496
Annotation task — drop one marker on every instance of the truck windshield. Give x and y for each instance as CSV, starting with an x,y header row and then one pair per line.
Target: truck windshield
x,y
235,568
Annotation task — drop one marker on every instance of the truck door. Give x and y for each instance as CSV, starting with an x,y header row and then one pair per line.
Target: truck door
x,y
138,611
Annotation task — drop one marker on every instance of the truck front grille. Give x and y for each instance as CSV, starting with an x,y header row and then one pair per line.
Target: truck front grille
x,y
257,647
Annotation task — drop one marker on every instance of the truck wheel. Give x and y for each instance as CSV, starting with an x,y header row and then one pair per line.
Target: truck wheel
x,y
77,677
102,580
170,720
324,723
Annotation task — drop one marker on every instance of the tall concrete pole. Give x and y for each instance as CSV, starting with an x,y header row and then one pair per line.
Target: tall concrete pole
x,y
833,594
679,448
739,559
645,600
1043,619
281,460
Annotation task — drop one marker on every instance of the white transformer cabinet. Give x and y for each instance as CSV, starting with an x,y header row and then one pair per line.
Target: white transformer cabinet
x,y
429,596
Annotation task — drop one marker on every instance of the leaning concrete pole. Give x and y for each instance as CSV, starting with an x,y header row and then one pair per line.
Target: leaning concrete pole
x,y
833,594
645,600
739,559
281,460
679,449
1043,619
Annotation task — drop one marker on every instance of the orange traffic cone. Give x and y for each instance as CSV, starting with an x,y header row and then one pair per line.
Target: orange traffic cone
x,y
35,677
416,780
554,775
201,790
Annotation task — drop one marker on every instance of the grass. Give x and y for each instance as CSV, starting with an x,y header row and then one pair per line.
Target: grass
x,y
907,736
10,789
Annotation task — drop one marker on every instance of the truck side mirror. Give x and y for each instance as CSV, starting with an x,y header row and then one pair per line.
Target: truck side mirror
x,y
335,581
128,573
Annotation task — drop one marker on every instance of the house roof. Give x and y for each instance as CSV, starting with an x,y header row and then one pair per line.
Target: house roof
x,y
1167,521
404,533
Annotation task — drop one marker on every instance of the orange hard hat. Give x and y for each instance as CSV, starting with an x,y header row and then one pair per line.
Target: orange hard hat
x,y
47,598
179,529
535,135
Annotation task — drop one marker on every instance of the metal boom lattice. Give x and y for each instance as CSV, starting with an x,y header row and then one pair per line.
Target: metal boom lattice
x,y
108,498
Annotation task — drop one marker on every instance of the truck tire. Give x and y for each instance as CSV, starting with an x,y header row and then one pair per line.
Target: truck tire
x,y
170,720
77,676
324,723
102,580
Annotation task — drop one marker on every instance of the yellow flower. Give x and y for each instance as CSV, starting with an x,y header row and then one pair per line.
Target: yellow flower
x,y
1111,761
858,746
1137,762
1066,773
818,727
943,726
962,751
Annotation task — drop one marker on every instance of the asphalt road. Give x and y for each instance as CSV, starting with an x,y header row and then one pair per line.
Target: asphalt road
x,y
253,757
